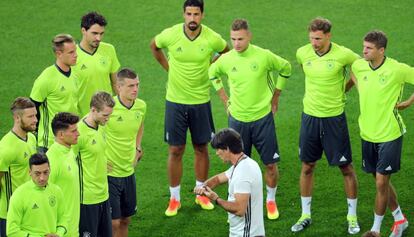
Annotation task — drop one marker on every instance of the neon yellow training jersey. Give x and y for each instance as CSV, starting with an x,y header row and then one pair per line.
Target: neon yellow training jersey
x,y
15,153
94,73
325,79
90,152
188,63
64,172
57,93
37,211
120,133
380,90
250,80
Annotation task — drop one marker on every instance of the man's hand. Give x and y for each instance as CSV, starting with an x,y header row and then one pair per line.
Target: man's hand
x,y
206,191
403,105
109,166
275,101
51,235
138,156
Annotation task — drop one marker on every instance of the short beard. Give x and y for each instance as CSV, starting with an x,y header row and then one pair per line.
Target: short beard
x,y
27,128
193,28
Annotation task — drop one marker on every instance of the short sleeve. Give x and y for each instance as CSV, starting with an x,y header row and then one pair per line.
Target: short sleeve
x,y
217,43
215,73
242,185
229,172
408,73
115,62
163,39
5,158
350,57
298,57
40,89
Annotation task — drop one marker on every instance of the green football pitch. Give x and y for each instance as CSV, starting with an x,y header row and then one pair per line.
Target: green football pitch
x,y
27,28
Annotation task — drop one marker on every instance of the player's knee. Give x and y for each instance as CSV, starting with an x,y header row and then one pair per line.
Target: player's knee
x,y
116,224
347,170
176,152
125,222
382,184
271,168
200,148
307,168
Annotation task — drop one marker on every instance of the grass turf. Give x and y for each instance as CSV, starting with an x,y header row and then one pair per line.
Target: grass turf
x,y
28,27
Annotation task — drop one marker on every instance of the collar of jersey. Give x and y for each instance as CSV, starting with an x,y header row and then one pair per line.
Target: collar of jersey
x,y
246,52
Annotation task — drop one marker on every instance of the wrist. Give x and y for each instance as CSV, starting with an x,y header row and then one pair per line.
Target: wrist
x,y
216,200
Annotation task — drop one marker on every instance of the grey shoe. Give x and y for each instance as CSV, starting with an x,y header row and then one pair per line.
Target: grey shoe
x,y
303,222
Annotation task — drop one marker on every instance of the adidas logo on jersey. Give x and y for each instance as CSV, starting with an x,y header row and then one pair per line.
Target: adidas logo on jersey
x,y
83,67
389,168
119,119
234,69
35,206
343,159
179,49
93,142
62,88
275,156
25,154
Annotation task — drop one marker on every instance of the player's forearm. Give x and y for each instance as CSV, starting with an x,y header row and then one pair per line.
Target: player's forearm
x,y
232,207
223,97
349,84
216,180
159,55
113,83
140,134
217,56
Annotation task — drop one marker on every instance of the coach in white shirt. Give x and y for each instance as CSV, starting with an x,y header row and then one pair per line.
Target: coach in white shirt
x,y
245,201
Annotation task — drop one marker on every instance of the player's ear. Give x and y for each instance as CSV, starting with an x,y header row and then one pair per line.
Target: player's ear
x,y
83,30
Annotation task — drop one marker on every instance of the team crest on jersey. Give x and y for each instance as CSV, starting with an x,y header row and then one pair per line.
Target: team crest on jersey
x,y
308,64
365,78
103,61
179,50
52,201
139,115
382,79
83,67
202,48
254,66
330,64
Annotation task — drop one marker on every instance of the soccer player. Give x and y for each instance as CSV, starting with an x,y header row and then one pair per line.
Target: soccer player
x,y
54,90
123,133
245,194
15,148
380,81
324,127
97,61
190,49
64,168
37,207
95,217
249,69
